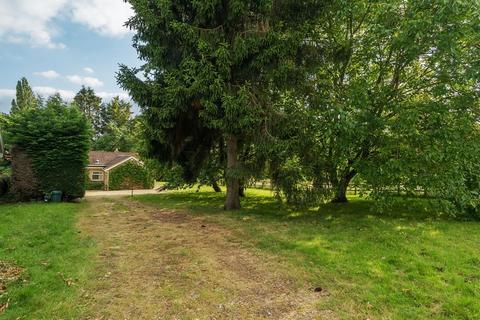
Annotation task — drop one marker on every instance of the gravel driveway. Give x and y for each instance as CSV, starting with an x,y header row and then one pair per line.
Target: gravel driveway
x,y
95,193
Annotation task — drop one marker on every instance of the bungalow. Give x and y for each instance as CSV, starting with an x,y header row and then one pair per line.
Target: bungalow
x,y
101,163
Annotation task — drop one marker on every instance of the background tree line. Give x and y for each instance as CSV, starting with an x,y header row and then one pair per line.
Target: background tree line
x,y
114,126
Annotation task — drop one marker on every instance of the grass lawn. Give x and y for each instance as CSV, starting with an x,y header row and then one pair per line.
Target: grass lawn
x,y
402,264
43,241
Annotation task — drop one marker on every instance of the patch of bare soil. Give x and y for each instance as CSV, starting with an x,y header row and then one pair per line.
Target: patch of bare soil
x,y
163,264
8,273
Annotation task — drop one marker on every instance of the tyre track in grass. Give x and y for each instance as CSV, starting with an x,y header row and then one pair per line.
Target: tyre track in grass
x,y
165,264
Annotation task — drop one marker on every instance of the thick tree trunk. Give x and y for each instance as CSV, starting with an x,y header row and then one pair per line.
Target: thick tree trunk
x,y
232,202
215,186
341,187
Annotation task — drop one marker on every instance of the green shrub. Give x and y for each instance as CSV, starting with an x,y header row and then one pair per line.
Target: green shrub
x,y
5,168
130,175
56,139
92,185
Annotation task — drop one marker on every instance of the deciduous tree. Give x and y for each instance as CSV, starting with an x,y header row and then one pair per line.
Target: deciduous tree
x,y
394,99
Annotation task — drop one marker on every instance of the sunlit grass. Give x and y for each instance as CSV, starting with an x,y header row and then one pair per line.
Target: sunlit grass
x,y
42,239
404,263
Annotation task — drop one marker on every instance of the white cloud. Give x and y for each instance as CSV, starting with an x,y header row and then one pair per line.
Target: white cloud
x,y
15,39
7,93
32,21
29,22
50,74
110,95
87,81
69,94
106,17
49,91
88,70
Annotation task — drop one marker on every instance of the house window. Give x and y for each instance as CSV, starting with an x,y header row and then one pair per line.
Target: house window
x,y
97,176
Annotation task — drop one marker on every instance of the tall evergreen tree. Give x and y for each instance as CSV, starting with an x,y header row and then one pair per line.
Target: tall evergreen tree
x,y
212,70
25,98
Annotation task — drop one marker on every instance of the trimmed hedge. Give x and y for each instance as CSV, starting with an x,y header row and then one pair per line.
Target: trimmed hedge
x,y
25,184
56,139
90,185
130,175
93,185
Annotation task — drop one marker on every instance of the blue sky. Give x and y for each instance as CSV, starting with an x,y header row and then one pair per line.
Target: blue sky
x,y
60,45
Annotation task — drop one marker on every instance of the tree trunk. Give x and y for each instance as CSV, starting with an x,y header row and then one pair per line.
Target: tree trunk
x,y
341,187
340,193
232,202
215,186
241,190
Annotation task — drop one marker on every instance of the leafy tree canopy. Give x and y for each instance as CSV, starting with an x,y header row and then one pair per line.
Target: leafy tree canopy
x,y
118,112
120,131
394,100
211,70
91,105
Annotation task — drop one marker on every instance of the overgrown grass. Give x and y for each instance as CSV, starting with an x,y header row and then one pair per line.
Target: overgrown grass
x,y
42,239
406,263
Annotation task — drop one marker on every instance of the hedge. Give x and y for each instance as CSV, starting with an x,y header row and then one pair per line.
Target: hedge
x,y
91,185
130,175
56,140
25,184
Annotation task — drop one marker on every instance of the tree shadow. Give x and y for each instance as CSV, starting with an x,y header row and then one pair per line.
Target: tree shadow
x,y
265,206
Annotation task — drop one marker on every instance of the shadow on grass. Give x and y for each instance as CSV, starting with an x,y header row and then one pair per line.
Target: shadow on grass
x,y
262,204
401,261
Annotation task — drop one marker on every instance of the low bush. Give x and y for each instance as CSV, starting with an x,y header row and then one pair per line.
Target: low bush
x,y
90,185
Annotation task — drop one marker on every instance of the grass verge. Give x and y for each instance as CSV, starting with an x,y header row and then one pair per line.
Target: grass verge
x,y
401,264
42,240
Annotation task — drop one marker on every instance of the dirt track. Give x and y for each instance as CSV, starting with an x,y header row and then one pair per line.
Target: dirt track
x,y
161,264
